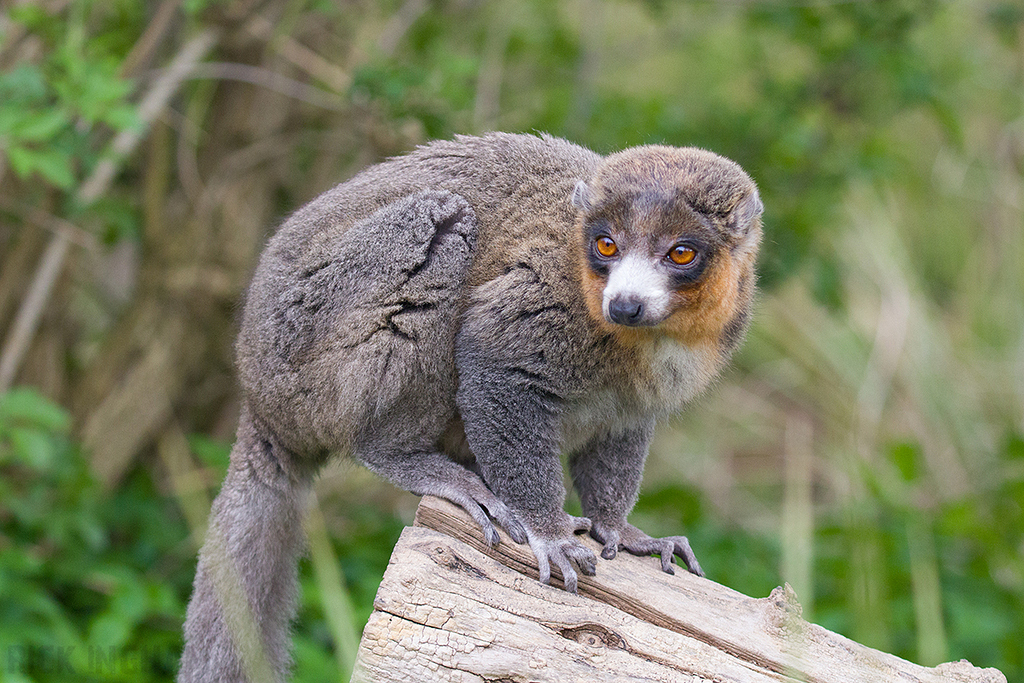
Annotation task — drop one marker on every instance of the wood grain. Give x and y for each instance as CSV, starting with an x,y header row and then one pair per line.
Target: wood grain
x,y
451,609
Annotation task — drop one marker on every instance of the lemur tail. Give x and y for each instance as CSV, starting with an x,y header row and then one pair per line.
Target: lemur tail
x,y
246,588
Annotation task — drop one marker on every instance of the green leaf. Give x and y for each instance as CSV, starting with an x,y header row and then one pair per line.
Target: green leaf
x,y
211,452
29,407
52,164
122,117
23,84
40,127
21,160
55,165
33,447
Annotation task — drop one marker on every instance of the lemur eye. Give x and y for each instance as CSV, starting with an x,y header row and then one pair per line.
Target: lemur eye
x,y
606,246
682,255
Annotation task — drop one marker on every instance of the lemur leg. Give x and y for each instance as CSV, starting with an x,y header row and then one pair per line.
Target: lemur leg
x,y
509,430
607,476
246,587
411,256
403,309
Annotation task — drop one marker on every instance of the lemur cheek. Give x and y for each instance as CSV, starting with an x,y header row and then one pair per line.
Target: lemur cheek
x,y
593,294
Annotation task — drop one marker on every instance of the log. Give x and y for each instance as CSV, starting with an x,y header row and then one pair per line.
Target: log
x,y
449,608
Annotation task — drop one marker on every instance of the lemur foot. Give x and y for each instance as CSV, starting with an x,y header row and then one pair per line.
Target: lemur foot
x,y
627,537
473,496
563,551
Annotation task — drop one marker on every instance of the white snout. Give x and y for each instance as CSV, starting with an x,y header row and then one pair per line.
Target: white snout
x,y
636,278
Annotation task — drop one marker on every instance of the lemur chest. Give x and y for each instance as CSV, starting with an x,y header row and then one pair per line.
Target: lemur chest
x,y
676,374
667,376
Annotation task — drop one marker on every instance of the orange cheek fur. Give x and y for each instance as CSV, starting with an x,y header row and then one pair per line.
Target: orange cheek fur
x,y
701,313
593,292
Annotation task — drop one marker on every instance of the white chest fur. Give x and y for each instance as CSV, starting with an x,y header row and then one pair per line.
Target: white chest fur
x,y
677,374
672,376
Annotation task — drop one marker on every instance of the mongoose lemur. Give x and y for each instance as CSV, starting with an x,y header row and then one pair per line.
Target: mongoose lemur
x,y
455,319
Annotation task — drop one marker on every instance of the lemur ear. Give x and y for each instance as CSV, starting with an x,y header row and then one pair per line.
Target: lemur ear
x,y
744,213
582,196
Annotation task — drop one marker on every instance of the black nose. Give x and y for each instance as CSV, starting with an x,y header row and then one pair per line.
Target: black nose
x,y
625,310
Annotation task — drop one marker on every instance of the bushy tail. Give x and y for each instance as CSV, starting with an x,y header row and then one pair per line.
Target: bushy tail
x,y
245,593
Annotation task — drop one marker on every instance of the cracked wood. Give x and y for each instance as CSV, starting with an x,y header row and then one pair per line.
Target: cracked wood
x,y
451,609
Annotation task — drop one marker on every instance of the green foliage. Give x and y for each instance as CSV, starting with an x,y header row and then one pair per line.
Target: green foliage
x,y
91,585
49,110
363,552
54,111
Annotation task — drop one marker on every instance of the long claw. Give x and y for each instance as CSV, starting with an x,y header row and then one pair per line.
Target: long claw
x,y
568,574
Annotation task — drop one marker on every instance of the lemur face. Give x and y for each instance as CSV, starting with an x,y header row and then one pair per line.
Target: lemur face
x,y
647,252
646,263
668,238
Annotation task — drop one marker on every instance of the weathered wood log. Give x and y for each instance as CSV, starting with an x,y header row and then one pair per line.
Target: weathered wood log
x,y
451,609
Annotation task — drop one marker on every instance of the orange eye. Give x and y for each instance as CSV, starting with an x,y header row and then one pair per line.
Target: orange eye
x,y
606,247
682,255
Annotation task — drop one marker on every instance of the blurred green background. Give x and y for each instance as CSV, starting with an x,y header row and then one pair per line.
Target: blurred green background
x,y
867,446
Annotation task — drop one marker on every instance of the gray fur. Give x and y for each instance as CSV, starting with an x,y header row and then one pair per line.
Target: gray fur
x,y
428,318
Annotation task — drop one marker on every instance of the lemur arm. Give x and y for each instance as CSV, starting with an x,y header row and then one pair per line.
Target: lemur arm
x,y
510,402
606,474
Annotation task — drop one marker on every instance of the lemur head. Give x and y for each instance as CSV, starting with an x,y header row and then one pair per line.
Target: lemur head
x,y
669,238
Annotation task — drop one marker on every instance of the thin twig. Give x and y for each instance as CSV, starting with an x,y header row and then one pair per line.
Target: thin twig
x,y
152,104
399,24
300,55
271,80
47,221
26,321
155,32
488,84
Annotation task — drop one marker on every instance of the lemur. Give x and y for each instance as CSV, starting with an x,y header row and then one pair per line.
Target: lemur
x,y
456,319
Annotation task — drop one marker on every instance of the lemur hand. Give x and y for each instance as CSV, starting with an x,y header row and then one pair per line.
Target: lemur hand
x,y
560,547
627,537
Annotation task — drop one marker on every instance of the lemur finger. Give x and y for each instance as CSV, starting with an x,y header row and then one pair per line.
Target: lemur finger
x,y
486,526
505,517
568,574
607,536
611,546
683,550
543,566
467,503
582,557
515,529
666,550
